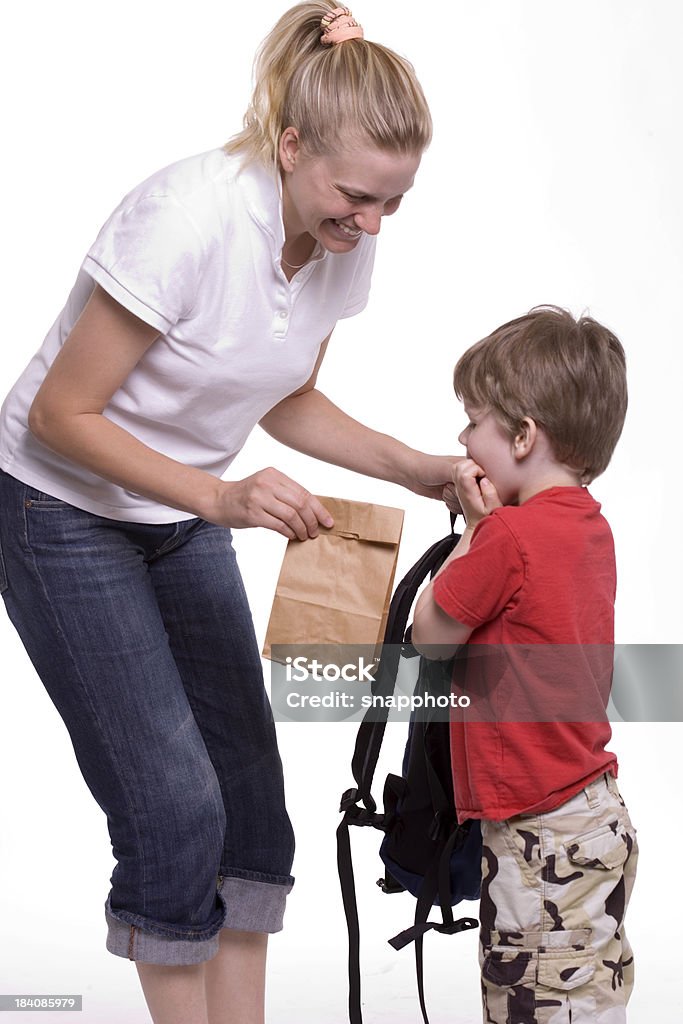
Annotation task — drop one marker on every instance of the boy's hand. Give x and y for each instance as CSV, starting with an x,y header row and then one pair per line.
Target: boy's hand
x,y
476,494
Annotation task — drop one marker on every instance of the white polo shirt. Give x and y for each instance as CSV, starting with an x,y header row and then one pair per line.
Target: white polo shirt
x,y
194,251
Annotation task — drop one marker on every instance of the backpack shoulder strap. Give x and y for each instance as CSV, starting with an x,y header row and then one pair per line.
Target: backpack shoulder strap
x,y
371,730
367,749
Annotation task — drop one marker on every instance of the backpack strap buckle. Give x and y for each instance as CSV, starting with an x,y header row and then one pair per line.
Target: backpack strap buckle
x,y
463,924
348,799
355,815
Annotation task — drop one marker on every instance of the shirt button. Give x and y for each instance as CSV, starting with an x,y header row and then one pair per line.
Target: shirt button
x,y
283,314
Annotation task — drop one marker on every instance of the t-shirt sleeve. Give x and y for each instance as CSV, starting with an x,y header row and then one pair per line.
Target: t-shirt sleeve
x,y
476,588
359,291
148,256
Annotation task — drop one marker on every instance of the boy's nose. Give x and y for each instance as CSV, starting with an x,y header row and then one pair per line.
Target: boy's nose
x,y
462,437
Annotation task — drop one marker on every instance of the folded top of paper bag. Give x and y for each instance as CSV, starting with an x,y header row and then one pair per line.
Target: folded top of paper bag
x,y
361,521
335,589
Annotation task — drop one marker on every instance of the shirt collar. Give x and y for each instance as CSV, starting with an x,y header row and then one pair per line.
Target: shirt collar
x,y
263,190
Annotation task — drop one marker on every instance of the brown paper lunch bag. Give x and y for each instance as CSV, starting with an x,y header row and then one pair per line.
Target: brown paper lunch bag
x,y
336,588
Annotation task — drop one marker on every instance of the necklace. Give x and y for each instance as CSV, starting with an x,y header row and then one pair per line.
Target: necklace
x,y
294,266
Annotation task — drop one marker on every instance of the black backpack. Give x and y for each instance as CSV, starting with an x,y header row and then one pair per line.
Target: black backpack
x,y
424,850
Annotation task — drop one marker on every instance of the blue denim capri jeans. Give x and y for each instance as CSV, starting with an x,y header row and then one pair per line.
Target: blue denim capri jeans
x,y
143,639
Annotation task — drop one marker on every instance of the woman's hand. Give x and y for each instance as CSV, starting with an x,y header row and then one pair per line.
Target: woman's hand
x,y
270,499
432,476
476,494
450,496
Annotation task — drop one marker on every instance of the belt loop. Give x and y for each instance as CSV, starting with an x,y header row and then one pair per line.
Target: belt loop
x,y
612,784
591,791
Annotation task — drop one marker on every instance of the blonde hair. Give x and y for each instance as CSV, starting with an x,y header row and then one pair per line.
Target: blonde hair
x,y
355,90
568,375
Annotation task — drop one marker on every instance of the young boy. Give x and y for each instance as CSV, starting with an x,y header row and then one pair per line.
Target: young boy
x,y
546,397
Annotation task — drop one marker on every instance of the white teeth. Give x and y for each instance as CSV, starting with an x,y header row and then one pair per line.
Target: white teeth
x,y
348,231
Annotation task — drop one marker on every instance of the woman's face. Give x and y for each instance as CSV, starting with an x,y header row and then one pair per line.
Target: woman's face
x,y
337,197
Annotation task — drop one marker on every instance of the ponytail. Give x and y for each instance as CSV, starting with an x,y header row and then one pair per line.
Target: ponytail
x,y
353,90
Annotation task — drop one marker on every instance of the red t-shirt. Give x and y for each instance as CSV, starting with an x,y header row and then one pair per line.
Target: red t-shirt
x,y
542,573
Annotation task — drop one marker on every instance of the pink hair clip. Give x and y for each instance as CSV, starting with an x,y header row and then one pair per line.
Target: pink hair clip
x,y
338,26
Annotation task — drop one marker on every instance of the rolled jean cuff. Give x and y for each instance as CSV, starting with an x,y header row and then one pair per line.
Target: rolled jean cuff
x,y
251,904
134,943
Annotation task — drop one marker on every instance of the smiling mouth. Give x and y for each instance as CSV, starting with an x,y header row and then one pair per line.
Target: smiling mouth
x,y
350,232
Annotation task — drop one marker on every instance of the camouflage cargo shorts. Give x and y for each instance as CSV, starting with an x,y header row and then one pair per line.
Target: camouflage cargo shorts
x,y
555,889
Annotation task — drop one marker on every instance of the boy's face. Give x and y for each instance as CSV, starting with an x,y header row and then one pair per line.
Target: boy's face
x,y
491,447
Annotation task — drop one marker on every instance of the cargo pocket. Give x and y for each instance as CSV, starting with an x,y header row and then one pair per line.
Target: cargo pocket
x,y
508,977
566,969
605,848
538,983
563,975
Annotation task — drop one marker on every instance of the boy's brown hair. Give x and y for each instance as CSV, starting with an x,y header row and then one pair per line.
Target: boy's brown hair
x,y
568,375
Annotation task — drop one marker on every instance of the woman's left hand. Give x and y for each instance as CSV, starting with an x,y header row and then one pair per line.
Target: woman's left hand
x,y
432,477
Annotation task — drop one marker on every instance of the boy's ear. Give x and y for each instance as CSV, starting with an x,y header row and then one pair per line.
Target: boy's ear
x,y
525,438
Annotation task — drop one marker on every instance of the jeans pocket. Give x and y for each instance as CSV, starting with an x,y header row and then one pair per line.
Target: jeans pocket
x,y
4,583
41,499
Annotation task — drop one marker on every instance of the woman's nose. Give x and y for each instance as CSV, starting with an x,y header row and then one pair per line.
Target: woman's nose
x,y
369,220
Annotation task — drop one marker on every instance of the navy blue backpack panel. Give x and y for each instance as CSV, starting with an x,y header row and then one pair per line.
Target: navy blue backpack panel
x,y
415,815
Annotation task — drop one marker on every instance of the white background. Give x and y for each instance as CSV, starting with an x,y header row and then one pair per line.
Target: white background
x,y
554,176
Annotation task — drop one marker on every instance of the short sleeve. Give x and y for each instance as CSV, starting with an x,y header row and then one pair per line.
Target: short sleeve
x,y
148,256
359,291
475,588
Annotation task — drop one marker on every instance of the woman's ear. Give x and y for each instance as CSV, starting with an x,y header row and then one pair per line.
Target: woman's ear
x,y
289,148
525,438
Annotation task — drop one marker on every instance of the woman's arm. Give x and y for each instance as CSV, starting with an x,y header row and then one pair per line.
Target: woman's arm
x,y
104,346
310,423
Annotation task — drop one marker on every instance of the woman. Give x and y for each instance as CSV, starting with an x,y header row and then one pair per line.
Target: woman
x,y
204,306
